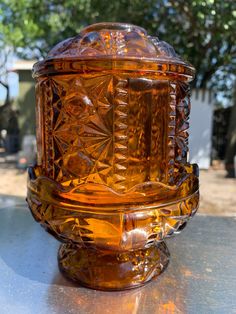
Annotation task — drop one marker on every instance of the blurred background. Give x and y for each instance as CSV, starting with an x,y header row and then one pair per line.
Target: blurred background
x,y
202,32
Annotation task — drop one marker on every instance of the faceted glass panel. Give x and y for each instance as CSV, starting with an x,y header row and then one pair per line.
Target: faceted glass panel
x,y
112,178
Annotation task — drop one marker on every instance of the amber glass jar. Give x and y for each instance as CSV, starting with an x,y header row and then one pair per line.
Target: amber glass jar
x,y
112,178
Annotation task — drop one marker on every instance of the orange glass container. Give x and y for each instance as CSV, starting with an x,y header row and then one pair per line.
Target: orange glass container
x,y
112,178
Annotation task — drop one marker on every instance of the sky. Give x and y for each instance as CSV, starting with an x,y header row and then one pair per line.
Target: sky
x,y
14,86
11,79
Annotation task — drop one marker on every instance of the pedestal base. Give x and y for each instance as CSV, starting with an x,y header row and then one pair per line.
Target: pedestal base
x,y
109,270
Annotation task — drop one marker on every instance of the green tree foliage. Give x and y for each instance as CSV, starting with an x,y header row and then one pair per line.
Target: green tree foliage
x,y
203,32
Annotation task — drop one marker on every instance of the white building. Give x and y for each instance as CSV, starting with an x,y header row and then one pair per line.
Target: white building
x,y
200,132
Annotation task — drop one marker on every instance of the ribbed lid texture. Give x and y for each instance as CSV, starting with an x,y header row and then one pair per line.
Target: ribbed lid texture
x,y
115,41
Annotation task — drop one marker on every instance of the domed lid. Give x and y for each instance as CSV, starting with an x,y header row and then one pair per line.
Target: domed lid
x,y
114,42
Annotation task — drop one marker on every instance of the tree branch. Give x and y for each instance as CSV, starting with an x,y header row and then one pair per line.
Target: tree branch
x,y
7,99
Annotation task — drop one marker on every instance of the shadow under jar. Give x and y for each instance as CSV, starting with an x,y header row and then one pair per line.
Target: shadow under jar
x,y
112,178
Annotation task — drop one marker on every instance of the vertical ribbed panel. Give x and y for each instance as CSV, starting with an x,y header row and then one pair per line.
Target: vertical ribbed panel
x,y
170,154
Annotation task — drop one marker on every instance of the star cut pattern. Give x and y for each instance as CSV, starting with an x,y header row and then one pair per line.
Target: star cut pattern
x,y
88,130
83,144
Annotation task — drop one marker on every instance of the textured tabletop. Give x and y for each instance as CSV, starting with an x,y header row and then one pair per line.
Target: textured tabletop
x,y
201,277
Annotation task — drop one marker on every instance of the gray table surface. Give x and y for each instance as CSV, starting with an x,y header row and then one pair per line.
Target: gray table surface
x,y
201,277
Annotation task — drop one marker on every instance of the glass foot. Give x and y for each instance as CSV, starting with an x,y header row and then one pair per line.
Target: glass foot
x,y
109,270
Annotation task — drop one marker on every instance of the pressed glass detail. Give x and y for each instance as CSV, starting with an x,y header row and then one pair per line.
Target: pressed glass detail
x,y
112,178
